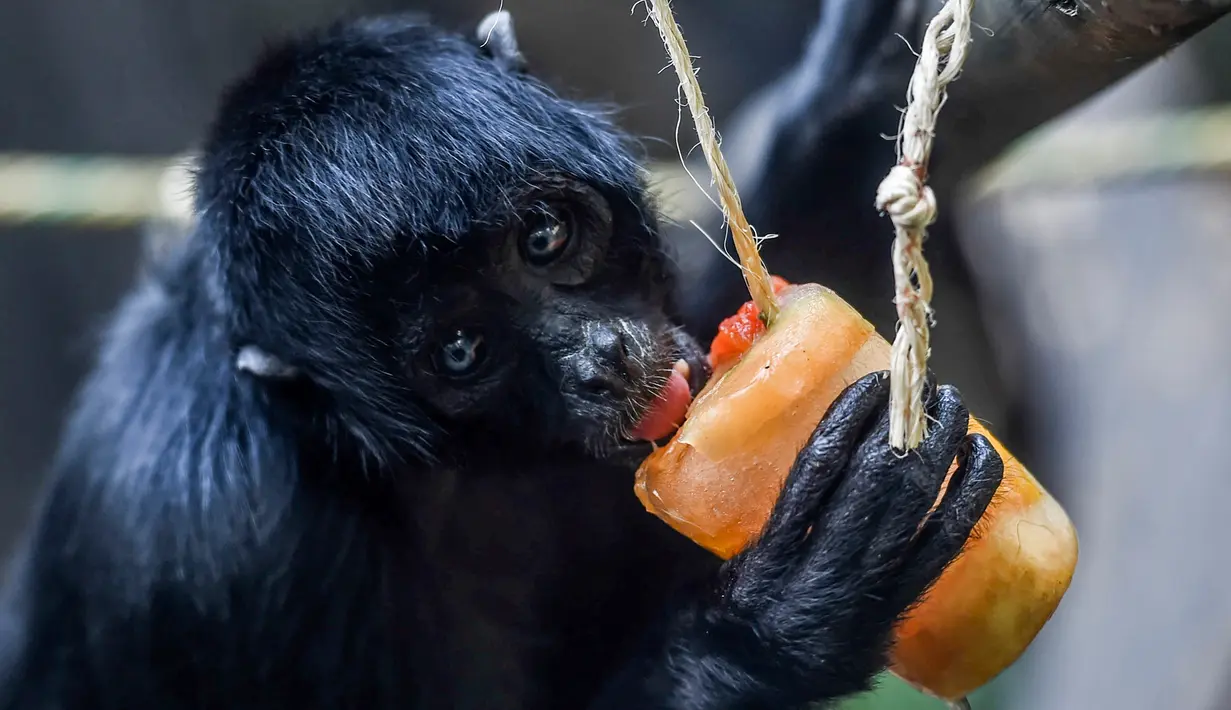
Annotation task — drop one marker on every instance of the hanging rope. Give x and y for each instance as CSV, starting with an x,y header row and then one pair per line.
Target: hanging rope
x,y
760,285
905,196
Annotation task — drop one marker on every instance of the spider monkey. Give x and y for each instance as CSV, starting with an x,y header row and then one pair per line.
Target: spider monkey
x,y
365,438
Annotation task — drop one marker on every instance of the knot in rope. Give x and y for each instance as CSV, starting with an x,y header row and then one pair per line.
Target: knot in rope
x,y
908,202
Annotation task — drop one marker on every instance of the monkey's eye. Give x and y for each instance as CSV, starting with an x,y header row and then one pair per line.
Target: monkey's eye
x,y
461,355
546,238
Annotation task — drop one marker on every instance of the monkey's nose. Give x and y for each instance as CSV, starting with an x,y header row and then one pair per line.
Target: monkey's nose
x,y
599,381
603,367
609,343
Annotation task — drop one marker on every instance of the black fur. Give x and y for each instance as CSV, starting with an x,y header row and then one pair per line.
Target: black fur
x,y
370,533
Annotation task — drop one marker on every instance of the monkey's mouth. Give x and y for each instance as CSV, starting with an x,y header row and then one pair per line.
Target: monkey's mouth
x,y
669,405
660,398
667,411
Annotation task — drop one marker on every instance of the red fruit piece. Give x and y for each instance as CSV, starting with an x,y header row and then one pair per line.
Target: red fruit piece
x,y
737,333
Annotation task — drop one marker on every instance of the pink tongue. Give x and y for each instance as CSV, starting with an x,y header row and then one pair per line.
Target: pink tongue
x,y
667,412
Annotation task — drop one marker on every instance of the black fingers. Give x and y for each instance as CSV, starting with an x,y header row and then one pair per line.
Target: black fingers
x,y
819,466
948,422
851,545
916,477
890,492
971,489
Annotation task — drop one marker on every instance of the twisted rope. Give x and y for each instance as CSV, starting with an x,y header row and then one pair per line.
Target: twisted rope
x,y
903,195
911,205
756,275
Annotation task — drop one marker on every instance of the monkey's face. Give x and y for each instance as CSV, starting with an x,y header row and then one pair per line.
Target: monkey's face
x,y
554,326
416,226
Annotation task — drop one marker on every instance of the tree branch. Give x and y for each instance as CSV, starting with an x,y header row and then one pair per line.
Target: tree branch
x,y
1045,57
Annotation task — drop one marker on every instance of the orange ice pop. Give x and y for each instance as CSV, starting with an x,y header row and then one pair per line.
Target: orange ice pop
x,y
718,479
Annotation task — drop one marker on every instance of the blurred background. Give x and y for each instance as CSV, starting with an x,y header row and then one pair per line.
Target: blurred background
x,y
1100,248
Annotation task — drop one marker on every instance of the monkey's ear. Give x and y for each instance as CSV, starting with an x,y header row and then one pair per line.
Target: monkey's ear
x,y
496,39
262,364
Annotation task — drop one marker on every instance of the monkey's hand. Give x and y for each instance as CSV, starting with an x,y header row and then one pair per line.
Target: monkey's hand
x,y
808,612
